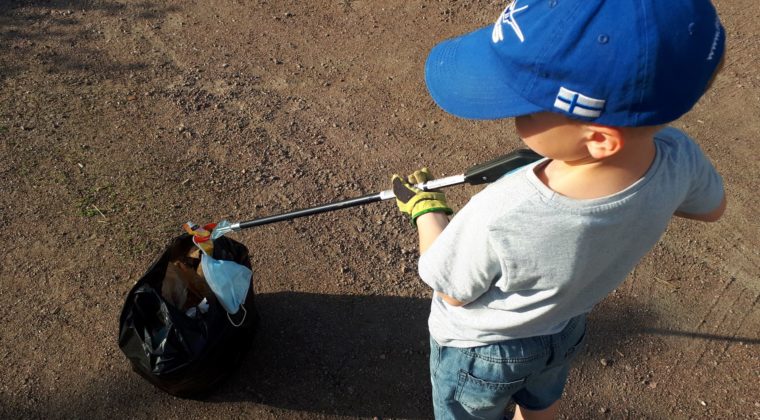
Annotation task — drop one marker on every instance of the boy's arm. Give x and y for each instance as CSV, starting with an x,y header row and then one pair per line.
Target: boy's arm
x,y
706,186
712,216
429,226
427,210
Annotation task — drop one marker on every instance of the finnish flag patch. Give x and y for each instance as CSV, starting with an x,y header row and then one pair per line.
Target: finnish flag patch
x,y
578,104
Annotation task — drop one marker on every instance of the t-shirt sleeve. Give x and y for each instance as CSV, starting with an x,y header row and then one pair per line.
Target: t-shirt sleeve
x,y
706,190
462,262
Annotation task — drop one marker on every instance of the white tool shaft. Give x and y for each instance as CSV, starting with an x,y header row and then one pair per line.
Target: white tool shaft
x,y
430,185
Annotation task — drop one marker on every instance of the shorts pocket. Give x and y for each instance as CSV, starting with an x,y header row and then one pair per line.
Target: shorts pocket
x,y
435,356
573,350
479,396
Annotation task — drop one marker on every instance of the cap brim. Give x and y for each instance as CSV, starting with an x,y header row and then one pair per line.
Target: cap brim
x,y
466,78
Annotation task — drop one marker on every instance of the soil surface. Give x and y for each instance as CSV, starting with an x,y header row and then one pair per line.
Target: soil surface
x,y
121,120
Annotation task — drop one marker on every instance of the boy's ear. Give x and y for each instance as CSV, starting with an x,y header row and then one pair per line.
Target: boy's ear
x,y
604,141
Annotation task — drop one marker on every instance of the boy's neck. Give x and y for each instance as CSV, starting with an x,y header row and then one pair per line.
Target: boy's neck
x,y
589,178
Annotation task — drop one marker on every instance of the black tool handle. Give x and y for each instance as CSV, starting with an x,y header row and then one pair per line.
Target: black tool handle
x,y
490,171
352,202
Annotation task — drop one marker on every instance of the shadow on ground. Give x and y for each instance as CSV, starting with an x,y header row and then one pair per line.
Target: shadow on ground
x,y
34,31
365,356
343,355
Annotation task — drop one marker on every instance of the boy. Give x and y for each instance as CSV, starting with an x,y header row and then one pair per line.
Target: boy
x,y
591,84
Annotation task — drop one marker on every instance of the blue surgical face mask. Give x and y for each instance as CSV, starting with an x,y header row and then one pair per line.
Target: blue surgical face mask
x,y
228,280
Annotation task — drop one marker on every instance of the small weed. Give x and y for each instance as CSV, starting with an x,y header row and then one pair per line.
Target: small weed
x,y
347,6
89,212
87,207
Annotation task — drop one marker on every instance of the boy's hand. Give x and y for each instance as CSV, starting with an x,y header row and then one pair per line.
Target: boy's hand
x,y
415,202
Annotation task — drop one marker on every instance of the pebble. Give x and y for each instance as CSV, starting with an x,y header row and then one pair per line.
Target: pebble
x,y
606,362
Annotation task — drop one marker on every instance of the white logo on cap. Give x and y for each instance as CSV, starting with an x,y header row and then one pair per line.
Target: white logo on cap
x,y
716,38
577,104
508,17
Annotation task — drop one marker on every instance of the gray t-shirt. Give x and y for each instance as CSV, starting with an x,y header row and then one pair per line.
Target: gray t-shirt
x,y
527,259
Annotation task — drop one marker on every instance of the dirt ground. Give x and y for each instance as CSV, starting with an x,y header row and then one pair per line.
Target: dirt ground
x,y
121,120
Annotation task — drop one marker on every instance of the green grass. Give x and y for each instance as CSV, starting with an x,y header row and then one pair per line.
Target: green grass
x,y
89,212
87,205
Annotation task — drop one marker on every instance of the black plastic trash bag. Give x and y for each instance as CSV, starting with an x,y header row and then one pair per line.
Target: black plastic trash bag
x,y
183,355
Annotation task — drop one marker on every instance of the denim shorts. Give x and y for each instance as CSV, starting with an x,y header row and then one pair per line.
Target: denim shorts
x,y
478,382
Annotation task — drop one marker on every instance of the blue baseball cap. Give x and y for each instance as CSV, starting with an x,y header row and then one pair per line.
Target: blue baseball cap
x,y
617,62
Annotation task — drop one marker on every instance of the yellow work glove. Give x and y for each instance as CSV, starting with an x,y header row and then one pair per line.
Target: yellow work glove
x,y
413,201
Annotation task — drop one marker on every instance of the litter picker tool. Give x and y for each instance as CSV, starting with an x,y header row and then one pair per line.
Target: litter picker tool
x,y
168,296
483,173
